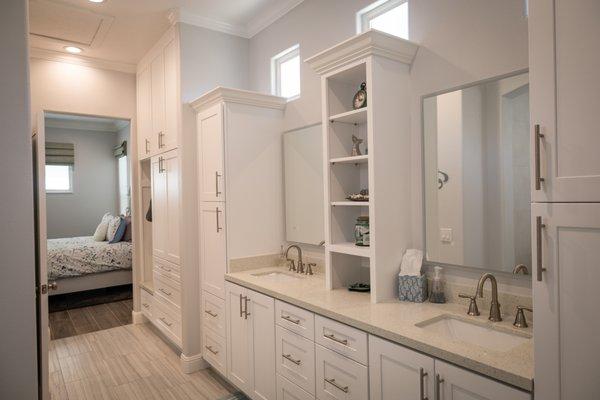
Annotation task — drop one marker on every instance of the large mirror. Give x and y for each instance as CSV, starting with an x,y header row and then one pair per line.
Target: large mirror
x,y
476,175
303,164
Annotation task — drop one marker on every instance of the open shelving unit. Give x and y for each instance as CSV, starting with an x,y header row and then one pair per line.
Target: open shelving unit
x,y
381,61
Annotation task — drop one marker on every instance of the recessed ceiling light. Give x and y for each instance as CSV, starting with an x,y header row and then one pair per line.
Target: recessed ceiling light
x,y
73,49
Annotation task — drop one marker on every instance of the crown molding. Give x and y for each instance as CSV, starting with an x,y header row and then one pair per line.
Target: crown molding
x,y
178,15
270,15
228,95
371,42
57,56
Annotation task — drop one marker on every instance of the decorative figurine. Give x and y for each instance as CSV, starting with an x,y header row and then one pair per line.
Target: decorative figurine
x,y
360,98
356,146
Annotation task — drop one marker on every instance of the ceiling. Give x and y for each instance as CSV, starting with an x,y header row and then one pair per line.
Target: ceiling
x,y
120,32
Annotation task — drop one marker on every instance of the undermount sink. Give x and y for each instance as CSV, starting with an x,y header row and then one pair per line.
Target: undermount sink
x,y
475,333
278,276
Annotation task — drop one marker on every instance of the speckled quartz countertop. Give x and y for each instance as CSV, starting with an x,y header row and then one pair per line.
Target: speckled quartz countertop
x,y
395,321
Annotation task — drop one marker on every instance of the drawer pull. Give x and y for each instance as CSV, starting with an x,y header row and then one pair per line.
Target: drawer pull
x,y
290,319
337,385
165,292
146,305
289,358
165,268
438,382
209,348
164,321
422,375
212,314
332,337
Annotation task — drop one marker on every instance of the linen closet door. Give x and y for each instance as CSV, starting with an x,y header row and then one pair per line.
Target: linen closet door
x,y
172,207
210,154
239,343
261,316
159,213
564,61
213,248
566,299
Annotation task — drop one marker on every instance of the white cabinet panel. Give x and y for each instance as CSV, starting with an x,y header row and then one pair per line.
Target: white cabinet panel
x,y
213,248
286,390
239,341
165,207
398,372
168,289
164,267
159,212
342,338
157,69
567,335
210,154
459,384
213,313
145,139
261,316
295,356
214,350
168,140
295,319
338,377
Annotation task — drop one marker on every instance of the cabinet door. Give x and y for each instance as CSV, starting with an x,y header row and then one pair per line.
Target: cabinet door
x,y
172,207
397,371
159,201
157,67
565,98
261,314
213,248
144,115
210,154
566,329
168,140
459,384
239,350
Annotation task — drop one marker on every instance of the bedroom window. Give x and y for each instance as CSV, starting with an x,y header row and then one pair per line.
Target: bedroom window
x,y
59,178
389,16
285,73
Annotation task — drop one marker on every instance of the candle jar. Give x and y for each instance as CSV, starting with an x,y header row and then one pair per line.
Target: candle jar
x,y
361,231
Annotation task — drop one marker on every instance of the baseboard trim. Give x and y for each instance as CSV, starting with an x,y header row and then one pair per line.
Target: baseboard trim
x,y
191,364
138,318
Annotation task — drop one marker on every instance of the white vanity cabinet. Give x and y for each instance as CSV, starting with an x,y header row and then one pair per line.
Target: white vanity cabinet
x,y
565,98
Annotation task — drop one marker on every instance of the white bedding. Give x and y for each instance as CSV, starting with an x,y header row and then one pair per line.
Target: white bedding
x,y
69,257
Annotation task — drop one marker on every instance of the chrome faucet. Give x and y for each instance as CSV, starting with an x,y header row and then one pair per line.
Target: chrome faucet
x,y
300,268
495,315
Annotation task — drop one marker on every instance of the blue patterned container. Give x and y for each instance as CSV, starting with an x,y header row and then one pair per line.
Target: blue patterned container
x,y
412,288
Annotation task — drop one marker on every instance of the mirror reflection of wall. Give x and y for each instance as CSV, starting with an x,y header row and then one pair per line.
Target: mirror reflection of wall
x,y
477,196
303,160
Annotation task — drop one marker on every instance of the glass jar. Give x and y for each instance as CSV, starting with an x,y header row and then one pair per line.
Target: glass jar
x,y
361,231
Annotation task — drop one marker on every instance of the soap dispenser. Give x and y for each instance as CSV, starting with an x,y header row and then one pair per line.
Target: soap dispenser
x,y
437,286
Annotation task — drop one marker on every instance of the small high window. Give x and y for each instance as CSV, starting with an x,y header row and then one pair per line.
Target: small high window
x,y
285,73
389,16
59,178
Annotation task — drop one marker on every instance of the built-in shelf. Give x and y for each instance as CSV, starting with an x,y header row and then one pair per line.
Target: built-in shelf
x,y
350,248
350,160
351,117
350,203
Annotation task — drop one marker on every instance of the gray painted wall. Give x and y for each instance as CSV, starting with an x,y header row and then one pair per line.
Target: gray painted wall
x,y
18,353
95,184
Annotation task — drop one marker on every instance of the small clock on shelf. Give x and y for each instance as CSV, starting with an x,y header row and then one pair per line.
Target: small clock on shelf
x,y
360,98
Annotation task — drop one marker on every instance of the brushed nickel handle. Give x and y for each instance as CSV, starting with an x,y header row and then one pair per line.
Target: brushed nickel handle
x,y
539,225
217,176
290,319
422,375
165,268
538,176
337,385
218,224
331,336
289,358
246,301
52,285
165,292
164,321
161,144
147,144
212,314
438,381
146,305
161,167
241,312
209,348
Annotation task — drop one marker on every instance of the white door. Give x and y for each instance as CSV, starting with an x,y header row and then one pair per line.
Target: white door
x,y
213,248
458,384
260,310
566,329
396,372
146,144
210,151
565,98
157,67
172,207
159,200
239,363
172,101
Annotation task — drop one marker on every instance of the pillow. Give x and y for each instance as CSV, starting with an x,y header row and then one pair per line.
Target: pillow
x,y
100,233
113,225
128,229
120,231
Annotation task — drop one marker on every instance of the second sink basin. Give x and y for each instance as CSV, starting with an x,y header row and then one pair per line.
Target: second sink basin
x,y
479,334
277,276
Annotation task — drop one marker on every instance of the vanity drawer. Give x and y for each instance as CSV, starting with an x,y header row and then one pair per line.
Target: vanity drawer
x,y
168,289
286,390
344,339
295,319
168,321
295,357
214,350
213,313
167,268
146,300
338,377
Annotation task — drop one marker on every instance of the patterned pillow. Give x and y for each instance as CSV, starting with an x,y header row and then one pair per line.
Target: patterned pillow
x,y
127,235
100,233
113,225
120,231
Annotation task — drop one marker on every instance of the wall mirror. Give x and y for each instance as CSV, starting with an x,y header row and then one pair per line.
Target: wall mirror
x,y
303,164
476,175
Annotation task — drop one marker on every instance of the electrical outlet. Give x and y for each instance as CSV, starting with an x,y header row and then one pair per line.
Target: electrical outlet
x,y
446,235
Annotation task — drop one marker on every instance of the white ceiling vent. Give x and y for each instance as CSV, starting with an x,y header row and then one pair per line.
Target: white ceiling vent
x,y
67,24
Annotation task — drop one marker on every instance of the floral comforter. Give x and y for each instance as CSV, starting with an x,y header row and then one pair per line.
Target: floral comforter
x,y
69,257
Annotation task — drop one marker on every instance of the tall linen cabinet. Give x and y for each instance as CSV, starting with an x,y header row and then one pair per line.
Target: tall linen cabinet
x,y
241,215
565,97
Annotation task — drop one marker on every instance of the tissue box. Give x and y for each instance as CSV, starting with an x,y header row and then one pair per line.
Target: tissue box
x,y
412,288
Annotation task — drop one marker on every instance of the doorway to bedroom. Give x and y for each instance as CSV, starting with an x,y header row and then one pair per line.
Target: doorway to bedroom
x,y
88,222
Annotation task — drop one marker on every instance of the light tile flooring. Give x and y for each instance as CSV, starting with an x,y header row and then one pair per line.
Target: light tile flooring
x,y
127,362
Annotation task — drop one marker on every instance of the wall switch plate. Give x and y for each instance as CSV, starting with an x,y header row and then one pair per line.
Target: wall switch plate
x,y
446,235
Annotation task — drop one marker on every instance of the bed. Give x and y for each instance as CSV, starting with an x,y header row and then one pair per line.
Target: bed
x,y
81,263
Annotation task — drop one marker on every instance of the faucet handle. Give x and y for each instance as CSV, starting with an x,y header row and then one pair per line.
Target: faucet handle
x,y
473,309
300,268
309,268
292,265
520,320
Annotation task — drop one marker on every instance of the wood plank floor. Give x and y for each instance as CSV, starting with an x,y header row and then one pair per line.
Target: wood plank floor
x,y
78,321
128,362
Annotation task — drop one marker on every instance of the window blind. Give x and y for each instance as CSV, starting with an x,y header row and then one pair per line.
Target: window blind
x,y
60,153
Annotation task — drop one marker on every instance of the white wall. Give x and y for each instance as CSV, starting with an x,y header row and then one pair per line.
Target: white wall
x,y
95,187
18,360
